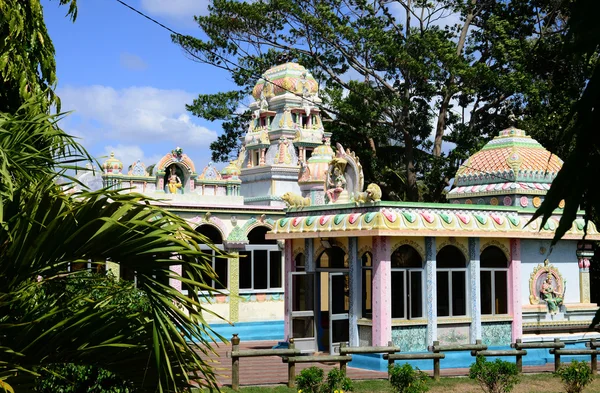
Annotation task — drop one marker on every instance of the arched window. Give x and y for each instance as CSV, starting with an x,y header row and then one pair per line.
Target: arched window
x,y
451,282
333,257
367,285
219,264
494,281
261,264
211,232
407,283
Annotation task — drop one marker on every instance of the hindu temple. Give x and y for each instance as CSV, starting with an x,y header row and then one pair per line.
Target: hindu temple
x,y
318,256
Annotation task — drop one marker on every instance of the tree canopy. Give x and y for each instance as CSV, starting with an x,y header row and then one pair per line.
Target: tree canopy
x,y
575,182
400,77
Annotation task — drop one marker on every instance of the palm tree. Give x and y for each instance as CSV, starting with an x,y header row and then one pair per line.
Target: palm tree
x,y
45,227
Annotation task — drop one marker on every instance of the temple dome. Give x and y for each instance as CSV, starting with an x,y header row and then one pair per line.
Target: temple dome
x,y
112,165
511,163
284,78
231,171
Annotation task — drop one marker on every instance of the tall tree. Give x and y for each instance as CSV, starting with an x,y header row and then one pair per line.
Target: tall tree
x,y
575,182
398,77
45,228
27,62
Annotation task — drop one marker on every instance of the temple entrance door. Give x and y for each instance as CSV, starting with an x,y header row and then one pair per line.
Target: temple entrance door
x,y
339,306
302,308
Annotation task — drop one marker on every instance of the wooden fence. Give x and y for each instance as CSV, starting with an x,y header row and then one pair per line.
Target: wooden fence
x,y
291,356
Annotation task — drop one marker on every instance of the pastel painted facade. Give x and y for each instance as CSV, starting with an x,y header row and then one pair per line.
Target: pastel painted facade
x,y
374,272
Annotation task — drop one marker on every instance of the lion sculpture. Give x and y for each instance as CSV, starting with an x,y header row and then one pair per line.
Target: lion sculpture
x,y
372,194
295,200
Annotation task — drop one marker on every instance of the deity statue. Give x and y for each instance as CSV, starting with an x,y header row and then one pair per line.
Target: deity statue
x,y
552,298
174,181
336,182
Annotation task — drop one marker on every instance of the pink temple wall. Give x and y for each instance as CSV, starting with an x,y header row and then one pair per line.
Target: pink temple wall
x,y
382,302
288,266
514,295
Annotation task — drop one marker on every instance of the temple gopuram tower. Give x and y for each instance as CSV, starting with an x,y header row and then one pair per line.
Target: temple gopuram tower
x,y
286,127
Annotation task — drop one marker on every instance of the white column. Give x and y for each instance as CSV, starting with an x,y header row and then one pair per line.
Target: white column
x,y
475,289
431,288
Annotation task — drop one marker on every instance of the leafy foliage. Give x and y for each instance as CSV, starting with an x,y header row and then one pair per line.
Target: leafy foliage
x,y
574,184
310,380
45,229
576,376
494,377
27,64
337,381
405,379
400,77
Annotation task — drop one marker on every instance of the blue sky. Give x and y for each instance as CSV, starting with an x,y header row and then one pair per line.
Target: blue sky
x,y
128,84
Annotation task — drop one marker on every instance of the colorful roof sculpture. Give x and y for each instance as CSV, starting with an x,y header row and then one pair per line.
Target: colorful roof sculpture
x,y
285,78
231,171
406,219
316,167
511,163
112,165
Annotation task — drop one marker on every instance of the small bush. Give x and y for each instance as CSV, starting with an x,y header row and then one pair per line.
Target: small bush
x,y
310,380
494,377
71,378
337,381
576,376
405,379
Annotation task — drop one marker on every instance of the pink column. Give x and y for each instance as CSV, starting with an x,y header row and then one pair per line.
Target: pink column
x,y
288,264
382,292
514,295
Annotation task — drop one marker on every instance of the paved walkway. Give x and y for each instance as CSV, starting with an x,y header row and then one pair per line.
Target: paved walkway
x,y
272,371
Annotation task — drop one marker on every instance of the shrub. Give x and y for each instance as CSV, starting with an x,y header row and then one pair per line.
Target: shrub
x,y
337,381
494,377
576,376
405,379
310,380
71,378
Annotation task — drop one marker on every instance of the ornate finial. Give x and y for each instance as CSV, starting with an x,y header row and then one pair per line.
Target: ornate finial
x,y
512,120
546,262
112,154
207,216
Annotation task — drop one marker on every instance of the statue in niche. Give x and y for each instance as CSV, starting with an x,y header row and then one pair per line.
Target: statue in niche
x,y
304,174
546,284
264,105
174,181
336,181
553,298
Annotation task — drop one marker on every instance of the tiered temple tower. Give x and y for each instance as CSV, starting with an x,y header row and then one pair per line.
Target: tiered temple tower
x,y
285,129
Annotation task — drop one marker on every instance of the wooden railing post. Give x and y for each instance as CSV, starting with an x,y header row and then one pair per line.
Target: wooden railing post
x,y
519,357
235,362
436,361
594,357
556,356
342,363
291,367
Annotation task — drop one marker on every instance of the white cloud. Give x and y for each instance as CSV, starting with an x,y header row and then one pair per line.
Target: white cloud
x,y
176,9
132,62
128,154
134,114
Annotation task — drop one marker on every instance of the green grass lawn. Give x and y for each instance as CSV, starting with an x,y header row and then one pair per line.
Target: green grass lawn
x,y
530,383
